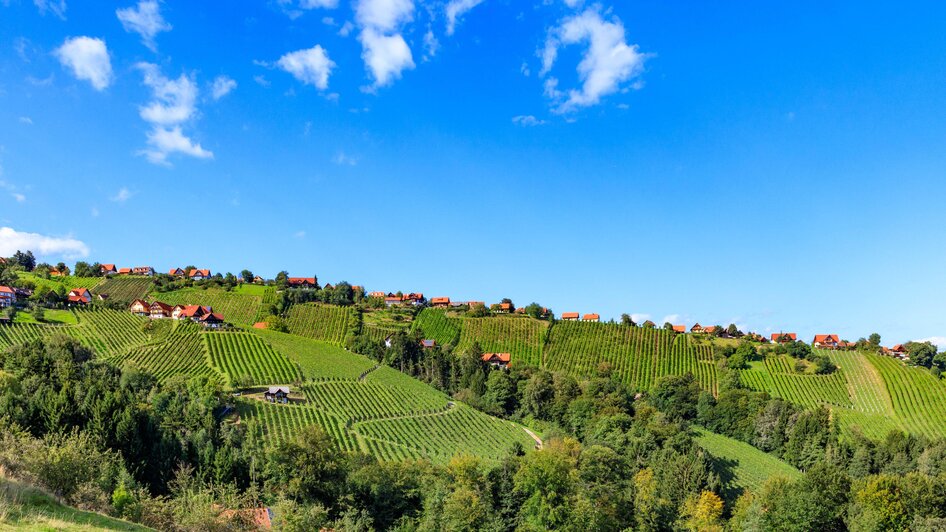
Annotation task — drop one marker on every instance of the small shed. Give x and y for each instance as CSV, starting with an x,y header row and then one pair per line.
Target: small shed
x,y
277,394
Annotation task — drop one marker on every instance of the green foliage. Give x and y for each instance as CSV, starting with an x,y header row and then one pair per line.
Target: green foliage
x,y
320,322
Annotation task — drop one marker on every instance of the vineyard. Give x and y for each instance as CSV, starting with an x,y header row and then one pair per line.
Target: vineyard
x,y
180,353
437,326
238,307
520,336
919,399
750,466
776,375
638,355
67,283
318,360
241,356
124,288
320,322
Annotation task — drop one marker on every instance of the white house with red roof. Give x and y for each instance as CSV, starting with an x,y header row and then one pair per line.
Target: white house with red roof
x,y
79,296
7,296
108,269
826,341
199,275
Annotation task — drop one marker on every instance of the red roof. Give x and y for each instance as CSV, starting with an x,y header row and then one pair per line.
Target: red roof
x,y
80,292
124,270
776,336
6,290
897,348
202,273
76,299
192,311
710,330
569,315
301,280
826,338
157,305
591,317
141,302
679,328
107,268
437,300
260,325
497,357
212,316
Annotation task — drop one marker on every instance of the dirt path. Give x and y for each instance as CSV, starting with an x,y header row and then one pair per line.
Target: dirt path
x,y
538,440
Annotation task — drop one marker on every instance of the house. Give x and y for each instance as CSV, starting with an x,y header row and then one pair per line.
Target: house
x,y
569,316
328,286
784,337
108,269
79,296
697,329
679,328
594,318
199,275
307,283
376,294
472,304
140,307
159,310
497,360
440,302
277,394
427,344
176,272
846,345
142,270
124,271
259,280
710,329
392,301
826,341
54,272
211,320
898,349
190,312
7,296
414,299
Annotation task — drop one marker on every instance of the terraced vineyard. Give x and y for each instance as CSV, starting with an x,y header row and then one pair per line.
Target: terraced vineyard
x,y
358,401
124,288
872,411
919,399
279,422
68,282
180,353
750,466
18,333
638,355
240,355
520,336
109,332
318,360
320,322
777,376
237,307
437,326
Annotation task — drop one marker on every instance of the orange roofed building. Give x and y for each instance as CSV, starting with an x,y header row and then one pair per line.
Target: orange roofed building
x,y
440,302
784,337
570,316
591,317
679,328
497,359
826,341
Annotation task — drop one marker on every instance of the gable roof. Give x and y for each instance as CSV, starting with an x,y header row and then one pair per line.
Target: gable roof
x,y
569,315
301,280
195,311
591,317
275,389
141,302
157,305
428,343
107,268
826,338
444,300
80,292
124,270
776,336
203,273
679,328
496,357
7,290
710,329
176,271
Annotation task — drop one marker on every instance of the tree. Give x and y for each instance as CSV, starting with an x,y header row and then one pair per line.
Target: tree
x,y
83,269
535,310
627,320
874,340
733,331
26,260
668,326
308,467
704,513
676,396
921,353
282,279
247,276
649,325
63,269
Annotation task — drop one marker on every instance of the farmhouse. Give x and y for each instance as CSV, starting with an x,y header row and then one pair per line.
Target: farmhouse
x,y
306,283
7,296
376,294
199,275
277,394
140,307
259,280
211,320
414,299
697,329
594,318
108,269
826,341
124,271
502,308
79,296
440,302
190,312
328,286
427,344
159,310
569,316
142,270
679,328
392,301
497,360
784,337
711,329
176,272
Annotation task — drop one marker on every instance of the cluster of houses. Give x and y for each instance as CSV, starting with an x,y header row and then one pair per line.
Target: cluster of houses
x,y
574,316
10,295
196,313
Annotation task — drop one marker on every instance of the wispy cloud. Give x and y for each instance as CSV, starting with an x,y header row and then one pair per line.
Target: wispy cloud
x,y
299,234
222,86
26,120
343,159
173,104
527,121
456,9
88,59
938,341
122,195
261,81
144,19
12,240
56,7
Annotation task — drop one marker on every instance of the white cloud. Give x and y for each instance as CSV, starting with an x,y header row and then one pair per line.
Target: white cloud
x,y
456,9
222,86
122,195
671,318
173,104
431,44
342,159
527,120
166,141
12,240
26,120
316,4
385,55
145,20
20,198
261,81
174,100
938,341
384,50
607,63
56,7
346,29
640,318
88,59
311,66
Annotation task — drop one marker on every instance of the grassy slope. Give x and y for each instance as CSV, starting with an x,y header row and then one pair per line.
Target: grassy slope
x,y
749,466
26,508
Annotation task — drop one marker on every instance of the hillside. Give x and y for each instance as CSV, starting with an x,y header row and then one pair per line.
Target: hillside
x,y
749,467
26,508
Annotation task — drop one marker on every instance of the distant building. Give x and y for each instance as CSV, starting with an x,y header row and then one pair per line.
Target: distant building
x,y
570,316
199,275
79,296
497,360
7,296
277,394
784,337
440,302
594,318
679,328
826,341
142,270
108,269
307,283
427,344
140,307
177,272
159,310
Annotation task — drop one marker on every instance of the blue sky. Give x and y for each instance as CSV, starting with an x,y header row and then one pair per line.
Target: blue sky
x,y
777,166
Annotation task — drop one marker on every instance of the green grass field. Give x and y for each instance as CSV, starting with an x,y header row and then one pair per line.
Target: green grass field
x,y
749,466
